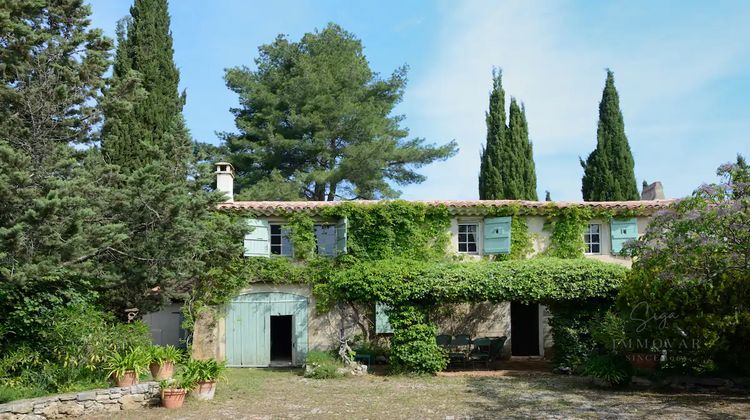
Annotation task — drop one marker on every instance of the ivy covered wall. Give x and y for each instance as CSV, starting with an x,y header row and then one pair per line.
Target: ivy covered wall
x,y
398,253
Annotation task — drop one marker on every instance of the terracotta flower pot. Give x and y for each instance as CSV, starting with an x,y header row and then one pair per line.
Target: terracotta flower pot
x,y
644,361
130,378
162,371
204,390
173,398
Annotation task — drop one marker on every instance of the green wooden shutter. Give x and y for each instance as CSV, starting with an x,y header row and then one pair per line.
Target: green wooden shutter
x,y
257,242
382,324
621,232
497,235
341,235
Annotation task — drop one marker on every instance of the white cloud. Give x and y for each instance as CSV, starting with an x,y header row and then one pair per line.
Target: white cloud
x,y
558,73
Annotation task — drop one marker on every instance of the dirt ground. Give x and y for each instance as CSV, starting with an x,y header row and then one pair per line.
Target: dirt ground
x,y
266,394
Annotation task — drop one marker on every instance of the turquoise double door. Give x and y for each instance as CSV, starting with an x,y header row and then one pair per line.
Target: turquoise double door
x,y
249,324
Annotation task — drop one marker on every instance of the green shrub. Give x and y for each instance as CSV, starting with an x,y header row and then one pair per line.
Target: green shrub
x,y
571,324
413,346
613,369
322,365
164,354
133,359
204,370
9,393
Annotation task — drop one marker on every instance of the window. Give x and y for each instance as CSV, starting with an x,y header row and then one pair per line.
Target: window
x,y
281,244
592,239
467,238
325,239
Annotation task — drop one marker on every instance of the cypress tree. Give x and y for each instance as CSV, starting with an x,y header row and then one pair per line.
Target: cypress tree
x,y
490,180
507,163
148,125
608,170
521,173
547,196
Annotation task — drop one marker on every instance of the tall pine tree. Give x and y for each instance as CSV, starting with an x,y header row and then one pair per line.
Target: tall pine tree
x,y
490,179
608,173
149,125
507,164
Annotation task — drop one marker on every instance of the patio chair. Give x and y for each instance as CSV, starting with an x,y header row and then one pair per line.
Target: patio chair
x,y
487,350
460,349
443,340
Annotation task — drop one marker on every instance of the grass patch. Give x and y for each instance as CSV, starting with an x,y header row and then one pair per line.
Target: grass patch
x,y
8,394
322,365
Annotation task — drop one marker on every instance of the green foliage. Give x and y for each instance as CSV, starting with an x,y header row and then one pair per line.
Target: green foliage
x,y
408,282
204,370
134,359
507,169
566,240
315,118
164,354
8,393
395,228
608,170
571,324
520,241
151,128
322,365
413,346
692,266
302,235
614,369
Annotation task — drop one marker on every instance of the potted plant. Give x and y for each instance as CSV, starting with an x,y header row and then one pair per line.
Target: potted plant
x,y
163,361
125,367
205,374
173,391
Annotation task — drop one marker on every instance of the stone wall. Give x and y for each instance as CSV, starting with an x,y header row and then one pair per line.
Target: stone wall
x,y
82,403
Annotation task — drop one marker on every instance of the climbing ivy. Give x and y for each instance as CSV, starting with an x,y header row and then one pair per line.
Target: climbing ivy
x,y
568,226
398,255
520,241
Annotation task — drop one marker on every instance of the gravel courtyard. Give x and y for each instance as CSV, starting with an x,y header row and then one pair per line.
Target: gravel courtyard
x,y
265,394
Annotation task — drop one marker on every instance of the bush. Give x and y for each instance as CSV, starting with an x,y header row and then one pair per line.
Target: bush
x,y
613,369
571,324
204,370
413,346
322,365
692,267
69,355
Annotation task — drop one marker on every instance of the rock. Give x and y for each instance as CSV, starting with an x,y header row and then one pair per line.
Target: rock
x,y
130,402
21,407
102,398
67,397
111,408
86,396
140,388
50,411
115,396
71,408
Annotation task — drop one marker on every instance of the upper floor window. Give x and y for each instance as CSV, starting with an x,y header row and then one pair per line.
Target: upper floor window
x,y
281,243
325,239
467,238
592,238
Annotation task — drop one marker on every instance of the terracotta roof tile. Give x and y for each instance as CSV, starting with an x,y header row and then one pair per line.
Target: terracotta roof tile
x,y
270,208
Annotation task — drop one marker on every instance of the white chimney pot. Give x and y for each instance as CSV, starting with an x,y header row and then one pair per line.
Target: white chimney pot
x,y
225,179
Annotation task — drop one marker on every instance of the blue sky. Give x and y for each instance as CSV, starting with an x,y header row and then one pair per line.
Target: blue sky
x,y
682,69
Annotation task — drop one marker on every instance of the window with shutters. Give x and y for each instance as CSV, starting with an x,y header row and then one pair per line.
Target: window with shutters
x,y
281,243
325,239
592,238
467,238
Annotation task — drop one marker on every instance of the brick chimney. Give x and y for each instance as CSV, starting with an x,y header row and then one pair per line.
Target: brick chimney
x,y
225,180
653,191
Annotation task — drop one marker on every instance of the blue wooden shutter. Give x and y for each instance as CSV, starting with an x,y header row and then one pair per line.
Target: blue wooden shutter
x,y
621,232
382,324
257,242
497,235
341,235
